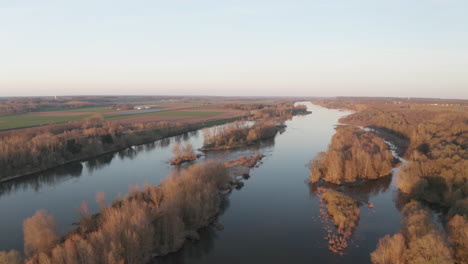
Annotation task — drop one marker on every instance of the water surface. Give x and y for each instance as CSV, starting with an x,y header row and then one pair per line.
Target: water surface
x,y
273,218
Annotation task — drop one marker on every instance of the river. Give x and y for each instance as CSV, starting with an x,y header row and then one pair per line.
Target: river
x,y
274,218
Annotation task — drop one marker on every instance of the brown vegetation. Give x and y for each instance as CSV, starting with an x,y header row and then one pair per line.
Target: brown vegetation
x,y
145,223
457,229
10,257
420,241
344,214
248,162
353,154
390,250
280,111
436,171
42,148
238,134
39,234
182,153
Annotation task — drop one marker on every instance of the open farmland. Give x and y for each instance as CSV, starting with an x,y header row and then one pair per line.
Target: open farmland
x,y
167,112
21,121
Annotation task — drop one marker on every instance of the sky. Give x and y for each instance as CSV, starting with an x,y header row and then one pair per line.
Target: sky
x,y
406,48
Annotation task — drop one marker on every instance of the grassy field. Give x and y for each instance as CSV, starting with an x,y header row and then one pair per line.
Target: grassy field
x,y
212,108
77,110
164,113
20,121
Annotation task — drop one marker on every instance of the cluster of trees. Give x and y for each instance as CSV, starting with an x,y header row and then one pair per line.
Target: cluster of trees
x,y
147,222
42,148
343,210
340,214
420,241
244,161
353,154
182,153
357,102
238,134
281,111
436,169
300,109
245,107
25,105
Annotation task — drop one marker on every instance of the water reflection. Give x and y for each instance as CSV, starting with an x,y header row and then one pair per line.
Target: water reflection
x,y
196,250
99,162
361,192
66,172
40,180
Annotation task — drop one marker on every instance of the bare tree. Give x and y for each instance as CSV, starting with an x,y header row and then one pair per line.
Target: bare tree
x,y
39,233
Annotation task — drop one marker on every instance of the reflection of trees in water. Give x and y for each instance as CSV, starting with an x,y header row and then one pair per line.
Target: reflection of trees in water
x,y
150,146
361,192
128,153
63,173
339,208
39,180
224,155
196,250
164,143
99,162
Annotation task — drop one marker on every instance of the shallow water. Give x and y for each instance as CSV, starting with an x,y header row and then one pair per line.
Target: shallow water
x,y
273,218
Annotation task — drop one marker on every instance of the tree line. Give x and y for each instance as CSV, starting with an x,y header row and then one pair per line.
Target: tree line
x,y
148,222
42,148
238,134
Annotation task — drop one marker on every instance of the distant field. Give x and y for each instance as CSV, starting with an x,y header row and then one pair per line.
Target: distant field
x,y
164,113
212,108
86,109
19,121
57,117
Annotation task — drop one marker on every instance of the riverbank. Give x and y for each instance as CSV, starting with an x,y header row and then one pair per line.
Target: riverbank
x,y
119,148
147,223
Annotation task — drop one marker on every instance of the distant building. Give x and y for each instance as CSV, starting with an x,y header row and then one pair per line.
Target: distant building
x,y
140,107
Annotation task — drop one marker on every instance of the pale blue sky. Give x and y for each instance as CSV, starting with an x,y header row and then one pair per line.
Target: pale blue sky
x,y
310,47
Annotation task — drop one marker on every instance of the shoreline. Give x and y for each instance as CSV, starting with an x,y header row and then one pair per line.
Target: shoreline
x,y
81,159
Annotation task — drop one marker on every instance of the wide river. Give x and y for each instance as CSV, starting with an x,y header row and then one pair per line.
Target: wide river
x,y
274,218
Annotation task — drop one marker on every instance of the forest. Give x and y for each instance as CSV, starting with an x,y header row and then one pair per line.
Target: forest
x,y
147,222
434,178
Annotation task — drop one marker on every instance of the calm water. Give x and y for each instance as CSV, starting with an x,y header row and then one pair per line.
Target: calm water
x,y
273,218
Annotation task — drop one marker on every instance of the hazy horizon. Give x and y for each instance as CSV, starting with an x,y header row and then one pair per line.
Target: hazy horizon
x,y
235,48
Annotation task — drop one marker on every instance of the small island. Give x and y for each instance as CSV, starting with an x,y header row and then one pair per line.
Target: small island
x,y
354,155
183,153
239,134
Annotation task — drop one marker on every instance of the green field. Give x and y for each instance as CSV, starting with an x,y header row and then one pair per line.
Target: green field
x,y
90,109
164,113
213,108
20,121
77,110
